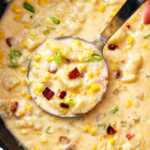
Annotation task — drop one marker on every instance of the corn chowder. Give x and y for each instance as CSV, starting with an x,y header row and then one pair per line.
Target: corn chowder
x,y
119,122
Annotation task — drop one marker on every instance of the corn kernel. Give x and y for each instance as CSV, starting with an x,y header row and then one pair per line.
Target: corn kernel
x,y
18,18
23,69
26,25
43,140
89,129
129,103
90,75
46,77
28,108
39,89
111,141
1,56
42,2
37,57
95,87
2,34
102,7
130,40
16,9
35,147
94,147
50,58
82,67
20,113
24,131
145,45
76,43
52,46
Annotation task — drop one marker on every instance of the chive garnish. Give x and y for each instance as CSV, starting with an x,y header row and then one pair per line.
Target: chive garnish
x,y
28,7
147,36
55,20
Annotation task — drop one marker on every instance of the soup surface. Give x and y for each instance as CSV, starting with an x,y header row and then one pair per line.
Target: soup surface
x,y
121,119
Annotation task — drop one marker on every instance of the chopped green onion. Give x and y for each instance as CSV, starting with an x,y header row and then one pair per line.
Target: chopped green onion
x,y
14,55
55,20
147,36
48,130
95,57
114,110
58,58
28,7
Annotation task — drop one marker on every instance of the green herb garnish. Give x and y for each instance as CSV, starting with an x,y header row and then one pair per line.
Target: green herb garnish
x,y
48,130
14,55
55,20
58,58
28,7
147,36
114,110
95,57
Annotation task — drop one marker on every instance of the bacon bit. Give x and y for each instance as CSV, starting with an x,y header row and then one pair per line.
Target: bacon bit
x,y
48,93
111,130
128,26
14,107
130,136
68,61
74,74
64,140
117,74
9,41
64,105
112,46
62,94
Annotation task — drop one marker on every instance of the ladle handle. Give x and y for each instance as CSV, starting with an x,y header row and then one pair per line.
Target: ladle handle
x,y
119,19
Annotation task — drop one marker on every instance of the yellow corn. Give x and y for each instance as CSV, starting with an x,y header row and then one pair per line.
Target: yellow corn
x,y
21,113
35,147
90,75
145,45
23,69
26,95
43,140
89,129
18,18
102,7
46,77
26,25
42,2
50,58
1,56
24,131
94,147
37,57
129,103
130,40
16,9
28,108
39,89
82,67
111,140
2,34
95,87
76,43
